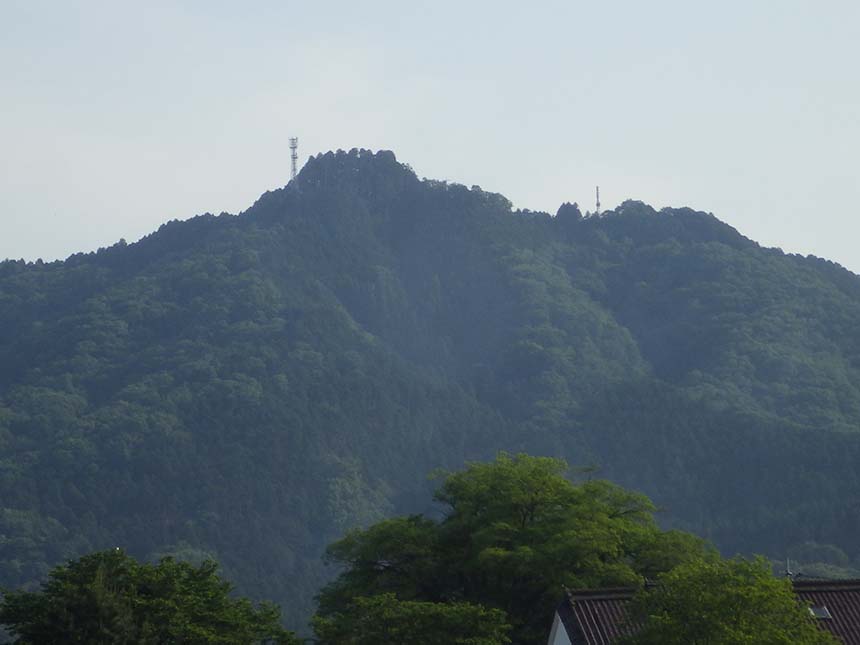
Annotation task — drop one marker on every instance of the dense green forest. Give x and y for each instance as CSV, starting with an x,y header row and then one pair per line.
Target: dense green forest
x,y
250,387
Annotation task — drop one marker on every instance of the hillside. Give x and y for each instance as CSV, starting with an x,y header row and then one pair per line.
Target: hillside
x,y
253,386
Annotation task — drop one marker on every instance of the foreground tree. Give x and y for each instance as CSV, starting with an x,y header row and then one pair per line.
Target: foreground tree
x,y
514,533
384,619
108,597
723,602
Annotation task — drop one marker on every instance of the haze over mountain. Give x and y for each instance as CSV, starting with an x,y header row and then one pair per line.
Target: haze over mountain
x,y
736,108
254,386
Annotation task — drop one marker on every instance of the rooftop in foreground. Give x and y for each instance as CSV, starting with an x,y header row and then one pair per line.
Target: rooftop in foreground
x,y
598,616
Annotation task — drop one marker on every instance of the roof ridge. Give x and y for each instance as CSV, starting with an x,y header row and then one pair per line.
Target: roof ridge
x,y
598,593
826,582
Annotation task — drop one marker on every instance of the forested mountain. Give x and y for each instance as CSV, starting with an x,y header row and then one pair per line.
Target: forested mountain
x,y
252,386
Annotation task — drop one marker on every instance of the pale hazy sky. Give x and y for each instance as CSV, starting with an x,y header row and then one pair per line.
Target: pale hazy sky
x,y
118,116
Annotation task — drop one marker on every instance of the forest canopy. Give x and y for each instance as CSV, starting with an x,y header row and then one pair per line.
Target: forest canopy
x,y
251,387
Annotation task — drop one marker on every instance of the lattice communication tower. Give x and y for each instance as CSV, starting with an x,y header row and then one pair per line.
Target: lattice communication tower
x,y
294,157
597,212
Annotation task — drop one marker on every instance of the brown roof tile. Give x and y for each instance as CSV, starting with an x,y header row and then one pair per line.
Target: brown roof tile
x,y
596,616
842,599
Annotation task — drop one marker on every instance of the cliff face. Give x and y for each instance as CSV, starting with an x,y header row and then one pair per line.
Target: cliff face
x,y
253,386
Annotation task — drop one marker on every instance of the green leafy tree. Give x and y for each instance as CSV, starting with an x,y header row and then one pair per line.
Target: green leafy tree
x,y
723,602
108,597
385,619
515,533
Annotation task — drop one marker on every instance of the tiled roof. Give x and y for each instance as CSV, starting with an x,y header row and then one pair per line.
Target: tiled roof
x,y
598,616
595,616
842,599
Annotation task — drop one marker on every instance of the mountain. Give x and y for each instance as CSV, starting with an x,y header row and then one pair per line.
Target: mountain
x,y
253,386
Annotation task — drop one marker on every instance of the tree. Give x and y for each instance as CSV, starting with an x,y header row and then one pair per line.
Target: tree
x,y
108,597
385,619
723,602
515,532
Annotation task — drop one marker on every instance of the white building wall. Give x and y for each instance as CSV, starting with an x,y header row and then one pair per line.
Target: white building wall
x,y
558,634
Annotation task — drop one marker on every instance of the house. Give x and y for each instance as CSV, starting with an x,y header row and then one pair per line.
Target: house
x,y
598,616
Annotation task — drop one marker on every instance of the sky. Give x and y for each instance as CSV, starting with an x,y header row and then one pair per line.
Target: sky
x,y
118,116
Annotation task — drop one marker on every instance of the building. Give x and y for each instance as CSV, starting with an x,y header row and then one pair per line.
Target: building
x,y
598,616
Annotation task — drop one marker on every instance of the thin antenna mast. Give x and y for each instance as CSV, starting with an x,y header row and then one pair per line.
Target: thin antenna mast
x,y
597,212
294,156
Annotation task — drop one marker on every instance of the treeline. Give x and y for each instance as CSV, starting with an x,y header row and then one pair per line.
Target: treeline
x,y
511,536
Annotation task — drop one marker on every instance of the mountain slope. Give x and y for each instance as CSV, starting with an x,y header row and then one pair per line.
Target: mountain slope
x,y
253,386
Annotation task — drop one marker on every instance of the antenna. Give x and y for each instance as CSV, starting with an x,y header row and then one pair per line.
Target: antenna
x,y
294,156
597,212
